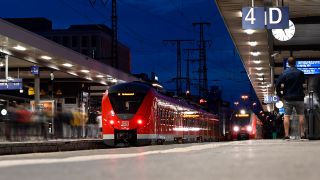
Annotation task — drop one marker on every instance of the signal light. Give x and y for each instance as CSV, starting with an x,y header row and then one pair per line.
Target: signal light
x,y
202,101
111,122
139,121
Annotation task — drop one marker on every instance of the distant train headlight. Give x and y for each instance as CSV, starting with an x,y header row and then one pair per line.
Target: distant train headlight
x,y
249,128
111,122
236,128
139,121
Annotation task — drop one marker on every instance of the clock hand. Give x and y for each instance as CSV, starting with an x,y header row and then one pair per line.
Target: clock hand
x,y
284,32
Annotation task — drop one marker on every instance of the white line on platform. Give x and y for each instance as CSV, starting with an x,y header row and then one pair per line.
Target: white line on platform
x,y
10,163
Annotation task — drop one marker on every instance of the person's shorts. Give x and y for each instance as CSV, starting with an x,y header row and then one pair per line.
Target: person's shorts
x,y
289,105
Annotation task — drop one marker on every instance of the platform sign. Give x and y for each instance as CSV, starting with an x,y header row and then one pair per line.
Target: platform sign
x,y
35,70
278,18
261,17
270,99
253,18
10,84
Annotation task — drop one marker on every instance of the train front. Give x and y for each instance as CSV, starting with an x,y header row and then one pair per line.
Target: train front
x,y
242,128
126,114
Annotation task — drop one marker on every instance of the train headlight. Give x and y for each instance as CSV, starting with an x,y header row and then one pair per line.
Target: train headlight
x,y
249,128
139,121
236,128
111,122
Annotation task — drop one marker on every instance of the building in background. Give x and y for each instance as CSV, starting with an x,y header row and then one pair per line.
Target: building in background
x,y
92,40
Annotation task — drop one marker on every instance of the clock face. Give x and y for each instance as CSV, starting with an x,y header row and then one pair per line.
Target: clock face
x,y
284,34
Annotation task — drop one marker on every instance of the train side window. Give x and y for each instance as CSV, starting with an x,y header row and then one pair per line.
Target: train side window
x,y
167,117
161,116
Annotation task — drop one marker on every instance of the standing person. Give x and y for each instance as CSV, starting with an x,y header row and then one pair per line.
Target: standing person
x,y
99,121
293,95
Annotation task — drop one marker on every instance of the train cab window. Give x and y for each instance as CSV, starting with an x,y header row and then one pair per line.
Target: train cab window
x,y
242,121
126,104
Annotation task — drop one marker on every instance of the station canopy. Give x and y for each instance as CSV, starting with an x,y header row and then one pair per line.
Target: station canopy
x,y
305,15
26,49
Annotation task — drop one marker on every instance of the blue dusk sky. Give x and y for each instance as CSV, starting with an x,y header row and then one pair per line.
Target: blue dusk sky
x,y
143,25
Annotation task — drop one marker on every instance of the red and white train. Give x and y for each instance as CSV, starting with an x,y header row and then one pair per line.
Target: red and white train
x,y
246,125
135,113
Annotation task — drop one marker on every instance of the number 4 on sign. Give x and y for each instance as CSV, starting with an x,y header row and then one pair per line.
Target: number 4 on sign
x,y
253,18
250,16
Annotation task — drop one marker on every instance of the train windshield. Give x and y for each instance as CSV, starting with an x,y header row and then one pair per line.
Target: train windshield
x,y
126,103
242,121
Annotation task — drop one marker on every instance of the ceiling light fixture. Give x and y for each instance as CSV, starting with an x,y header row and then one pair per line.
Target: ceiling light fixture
x,y
253,43
20,48
85,71
256,61
259,68
103,82
249,31
46,57
89,78
73,73
114,80
255,53
67,65
99,76
53,67
259,74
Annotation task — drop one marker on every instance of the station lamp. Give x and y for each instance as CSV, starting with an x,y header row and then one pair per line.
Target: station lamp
x,y
244,97
46,57
20,48
249,31
67,65
255,53
85,71
4,112
279,104
252,43
242,111
256,61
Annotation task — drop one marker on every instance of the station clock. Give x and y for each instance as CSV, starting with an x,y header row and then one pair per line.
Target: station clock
x,y
284,34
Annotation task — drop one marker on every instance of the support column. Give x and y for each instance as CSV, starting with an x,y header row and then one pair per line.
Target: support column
x,y
272,85
6,66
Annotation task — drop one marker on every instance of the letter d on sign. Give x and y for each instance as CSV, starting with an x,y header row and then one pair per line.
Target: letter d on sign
x,y
272,12
277,18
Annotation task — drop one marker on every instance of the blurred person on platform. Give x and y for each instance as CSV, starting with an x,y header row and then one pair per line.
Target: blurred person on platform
x,y
99,121
292,80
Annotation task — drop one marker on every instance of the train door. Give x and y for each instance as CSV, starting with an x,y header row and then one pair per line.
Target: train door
x,y
157,120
